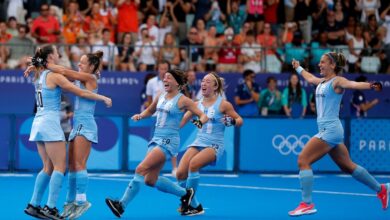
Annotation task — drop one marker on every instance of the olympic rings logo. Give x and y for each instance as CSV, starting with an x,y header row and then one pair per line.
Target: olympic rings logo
x,y
291,143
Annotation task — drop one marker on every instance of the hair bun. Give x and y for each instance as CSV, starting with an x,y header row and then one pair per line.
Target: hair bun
x,y
99,54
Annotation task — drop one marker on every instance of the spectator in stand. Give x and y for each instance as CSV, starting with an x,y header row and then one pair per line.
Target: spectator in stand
x,y
5,37
255,11
20,48
193,49
236,17
294,99
211,48
73,21
12,25
289,9
155,86
359,104
350,28
215,17
339,13
369,8
270,102
95,23
318,9
271,14
108,14
240,38
350,9
335,32
247,95
82,47
126,50
127,12
251,53
301,16
385,15
202,31
229,53
356,46
371,29
288,34
151,27
267,40
148,8
146,51
168,23
45,28
169,51
110,51
181,8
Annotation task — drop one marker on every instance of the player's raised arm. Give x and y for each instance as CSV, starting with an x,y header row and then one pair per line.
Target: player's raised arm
x,y
305,74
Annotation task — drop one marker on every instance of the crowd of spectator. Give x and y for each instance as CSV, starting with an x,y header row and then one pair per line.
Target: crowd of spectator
x,y
200,35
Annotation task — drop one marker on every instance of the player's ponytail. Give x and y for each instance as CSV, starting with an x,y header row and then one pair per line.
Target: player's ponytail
x,y
94,59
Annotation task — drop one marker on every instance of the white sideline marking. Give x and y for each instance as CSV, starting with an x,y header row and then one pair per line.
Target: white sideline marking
x,y
15,175
257,188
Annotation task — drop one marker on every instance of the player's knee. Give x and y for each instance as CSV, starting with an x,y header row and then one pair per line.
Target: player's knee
x,y
302,163
141,169
181,174
194,166
78,165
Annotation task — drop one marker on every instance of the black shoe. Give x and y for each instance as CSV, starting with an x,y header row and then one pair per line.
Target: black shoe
x,y
193,211
115,206
187,198
51,213
34,211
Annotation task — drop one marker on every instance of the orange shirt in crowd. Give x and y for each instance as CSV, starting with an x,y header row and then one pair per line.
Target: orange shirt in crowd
x,y
46,28
267,41
4,38
72,28
127,18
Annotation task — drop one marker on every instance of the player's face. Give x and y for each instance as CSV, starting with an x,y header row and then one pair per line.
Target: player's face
x,y
170,83
208,85
84,65
326,67
55,56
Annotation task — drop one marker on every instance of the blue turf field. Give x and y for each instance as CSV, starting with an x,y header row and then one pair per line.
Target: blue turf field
x,y
243,196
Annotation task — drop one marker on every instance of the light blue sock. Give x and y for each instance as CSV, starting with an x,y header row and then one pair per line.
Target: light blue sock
x,y
132,189
361,175
166,185
81,186
71,194
182,183
306,179
193,182
40,186
54,188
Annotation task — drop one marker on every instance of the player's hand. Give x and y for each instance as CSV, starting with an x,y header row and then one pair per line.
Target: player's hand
x,y
108,102
228,121
136,117
29,69
197,123
377,86
295,63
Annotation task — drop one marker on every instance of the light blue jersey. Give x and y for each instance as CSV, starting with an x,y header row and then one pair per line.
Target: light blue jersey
x,y
166,133
83,120
328,107
46,124
211,134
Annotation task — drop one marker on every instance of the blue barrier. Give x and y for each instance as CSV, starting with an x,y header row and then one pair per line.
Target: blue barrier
x,y
5,141
273,145
370,144
125,89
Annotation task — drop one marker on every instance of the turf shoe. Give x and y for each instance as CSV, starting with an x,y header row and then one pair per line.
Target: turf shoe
x,y
191,211
303,209
67,210
187,198
79,209
51,213
115,207
383,195
34,211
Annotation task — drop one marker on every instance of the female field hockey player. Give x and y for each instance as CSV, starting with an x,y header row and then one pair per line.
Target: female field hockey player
x,y
170,107
329,139
83,134
208,145
47,132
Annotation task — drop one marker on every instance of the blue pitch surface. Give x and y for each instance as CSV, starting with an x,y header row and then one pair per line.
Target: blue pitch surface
x,y
225,196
